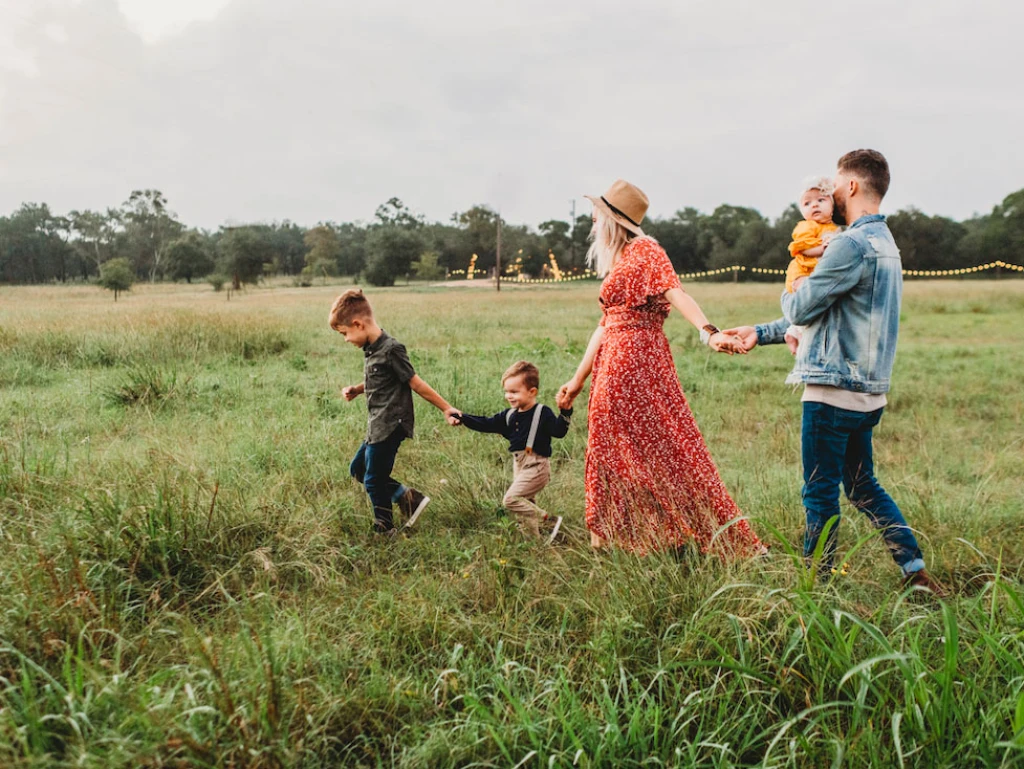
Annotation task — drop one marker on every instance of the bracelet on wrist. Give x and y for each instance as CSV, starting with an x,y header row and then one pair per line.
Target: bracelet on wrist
x,y
707,332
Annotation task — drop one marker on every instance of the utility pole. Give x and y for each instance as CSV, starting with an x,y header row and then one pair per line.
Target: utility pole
x,y
572,233
497,258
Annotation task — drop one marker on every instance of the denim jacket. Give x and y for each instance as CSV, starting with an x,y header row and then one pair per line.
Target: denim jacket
x,y
850,306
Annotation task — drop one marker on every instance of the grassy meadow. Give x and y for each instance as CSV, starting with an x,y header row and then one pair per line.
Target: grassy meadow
x,y
187,575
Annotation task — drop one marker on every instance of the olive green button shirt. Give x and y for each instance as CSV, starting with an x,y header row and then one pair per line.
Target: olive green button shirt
x,y
386,376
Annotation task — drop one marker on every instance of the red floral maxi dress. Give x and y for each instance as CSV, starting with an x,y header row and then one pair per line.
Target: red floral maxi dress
x,y
650,481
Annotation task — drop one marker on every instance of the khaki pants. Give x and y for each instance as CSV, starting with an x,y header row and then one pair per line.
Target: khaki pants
x,y
530,474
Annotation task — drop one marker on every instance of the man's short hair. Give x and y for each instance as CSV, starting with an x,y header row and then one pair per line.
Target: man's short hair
x,y
870,167
525,369
348,307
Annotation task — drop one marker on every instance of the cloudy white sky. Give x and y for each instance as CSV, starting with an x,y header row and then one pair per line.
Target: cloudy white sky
x,y
321,109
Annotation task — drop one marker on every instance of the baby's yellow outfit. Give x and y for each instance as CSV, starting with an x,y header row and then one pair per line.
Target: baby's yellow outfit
x,y
806,234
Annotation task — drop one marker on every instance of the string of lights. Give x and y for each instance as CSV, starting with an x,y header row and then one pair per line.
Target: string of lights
x,y
736,268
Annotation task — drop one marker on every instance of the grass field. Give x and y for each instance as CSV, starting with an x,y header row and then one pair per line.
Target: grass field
x,y
187,576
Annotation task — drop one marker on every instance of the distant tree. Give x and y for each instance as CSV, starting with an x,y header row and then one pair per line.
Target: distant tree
x,y
242,253
351,248
427,268
117,275
926,242
581,238
395,213
149,229
33,245
556,239
93,234
390,252
323,253
189,257
287,240
479,226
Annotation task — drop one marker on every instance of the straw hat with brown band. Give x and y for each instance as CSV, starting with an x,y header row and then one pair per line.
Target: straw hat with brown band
x,y
623,202
627,204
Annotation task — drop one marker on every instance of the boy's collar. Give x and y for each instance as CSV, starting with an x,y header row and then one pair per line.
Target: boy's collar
x,y
372,347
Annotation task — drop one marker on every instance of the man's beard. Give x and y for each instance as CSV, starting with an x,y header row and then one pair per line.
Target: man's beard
x,y
839,212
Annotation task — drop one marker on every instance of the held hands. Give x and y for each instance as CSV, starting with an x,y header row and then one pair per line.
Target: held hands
x,y
727,342
567,393
453,416
747,336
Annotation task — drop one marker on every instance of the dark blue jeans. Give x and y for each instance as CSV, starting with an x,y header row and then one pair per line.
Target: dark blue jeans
x,y
837,447
372,466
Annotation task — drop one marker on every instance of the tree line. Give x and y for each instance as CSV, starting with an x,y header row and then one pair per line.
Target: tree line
x,y
149,242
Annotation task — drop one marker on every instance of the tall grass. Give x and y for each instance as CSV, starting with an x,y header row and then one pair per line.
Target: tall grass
x,y
188,577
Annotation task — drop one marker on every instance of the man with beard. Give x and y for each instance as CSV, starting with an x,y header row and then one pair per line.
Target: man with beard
x,y
850,306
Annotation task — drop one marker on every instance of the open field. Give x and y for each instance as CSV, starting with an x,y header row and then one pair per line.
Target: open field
x,y
187,576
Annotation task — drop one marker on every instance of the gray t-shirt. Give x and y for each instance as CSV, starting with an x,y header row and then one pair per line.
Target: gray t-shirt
x,y
386,375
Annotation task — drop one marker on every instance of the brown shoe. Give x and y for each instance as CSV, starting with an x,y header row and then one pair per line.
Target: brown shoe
x,y
922,580
412,504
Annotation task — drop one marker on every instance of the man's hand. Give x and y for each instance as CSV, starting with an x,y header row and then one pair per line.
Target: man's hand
x,y
351,392
567,394
747,336
454,417
792,343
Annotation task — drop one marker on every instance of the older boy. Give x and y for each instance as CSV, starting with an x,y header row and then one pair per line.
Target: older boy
x,y
529,428
388,383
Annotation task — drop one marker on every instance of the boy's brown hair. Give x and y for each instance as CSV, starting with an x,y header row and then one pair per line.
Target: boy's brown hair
x,y
348,307
525,369
870,166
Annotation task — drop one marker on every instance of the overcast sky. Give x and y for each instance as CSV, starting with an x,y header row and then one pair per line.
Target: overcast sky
x,y
310,110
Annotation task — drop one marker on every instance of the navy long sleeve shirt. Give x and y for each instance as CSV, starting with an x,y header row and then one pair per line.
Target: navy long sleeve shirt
x,y
517,429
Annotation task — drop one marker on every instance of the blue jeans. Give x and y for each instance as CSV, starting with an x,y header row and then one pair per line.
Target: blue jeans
x,y
372,466
837,447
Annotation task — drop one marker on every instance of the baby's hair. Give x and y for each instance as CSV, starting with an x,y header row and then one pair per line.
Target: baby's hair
x,y
822,183
529,372
348,307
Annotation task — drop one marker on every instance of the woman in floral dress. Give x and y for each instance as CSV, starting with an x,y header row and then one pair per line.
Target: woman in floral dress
x,y
650,481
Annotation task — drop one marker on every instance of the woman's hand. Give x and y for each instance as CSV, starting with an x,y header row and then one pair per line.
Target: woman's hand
x,y
567,393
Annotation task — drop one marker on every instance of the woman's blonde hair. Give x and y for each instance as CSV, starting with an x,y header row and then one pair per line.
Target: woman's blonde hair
x,y
607,239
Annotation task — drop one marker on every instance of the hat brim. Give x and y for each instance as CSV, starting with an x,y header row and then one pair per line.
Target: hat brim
x,y
599,203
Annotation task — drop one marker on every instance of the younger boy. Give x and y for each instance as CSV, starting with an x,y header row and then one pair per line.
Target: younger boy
x,y
529,428
388,382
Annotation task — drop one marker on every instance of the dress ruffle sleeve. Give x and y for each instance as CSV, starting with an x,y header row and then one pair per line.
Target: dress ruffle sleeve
x,y
653,272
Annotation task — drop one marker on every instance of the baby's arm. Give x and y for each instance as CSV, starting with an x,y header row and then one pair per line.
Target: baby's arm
x,y
352,391
814,252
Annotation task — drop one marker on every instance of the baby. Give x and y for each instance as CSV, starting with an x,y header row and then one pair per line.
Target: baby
x,y
811,236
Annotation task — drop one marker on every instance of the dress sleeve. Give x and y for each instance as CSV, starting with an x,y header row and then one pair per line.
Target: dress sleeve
x,y
654,273
805,235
